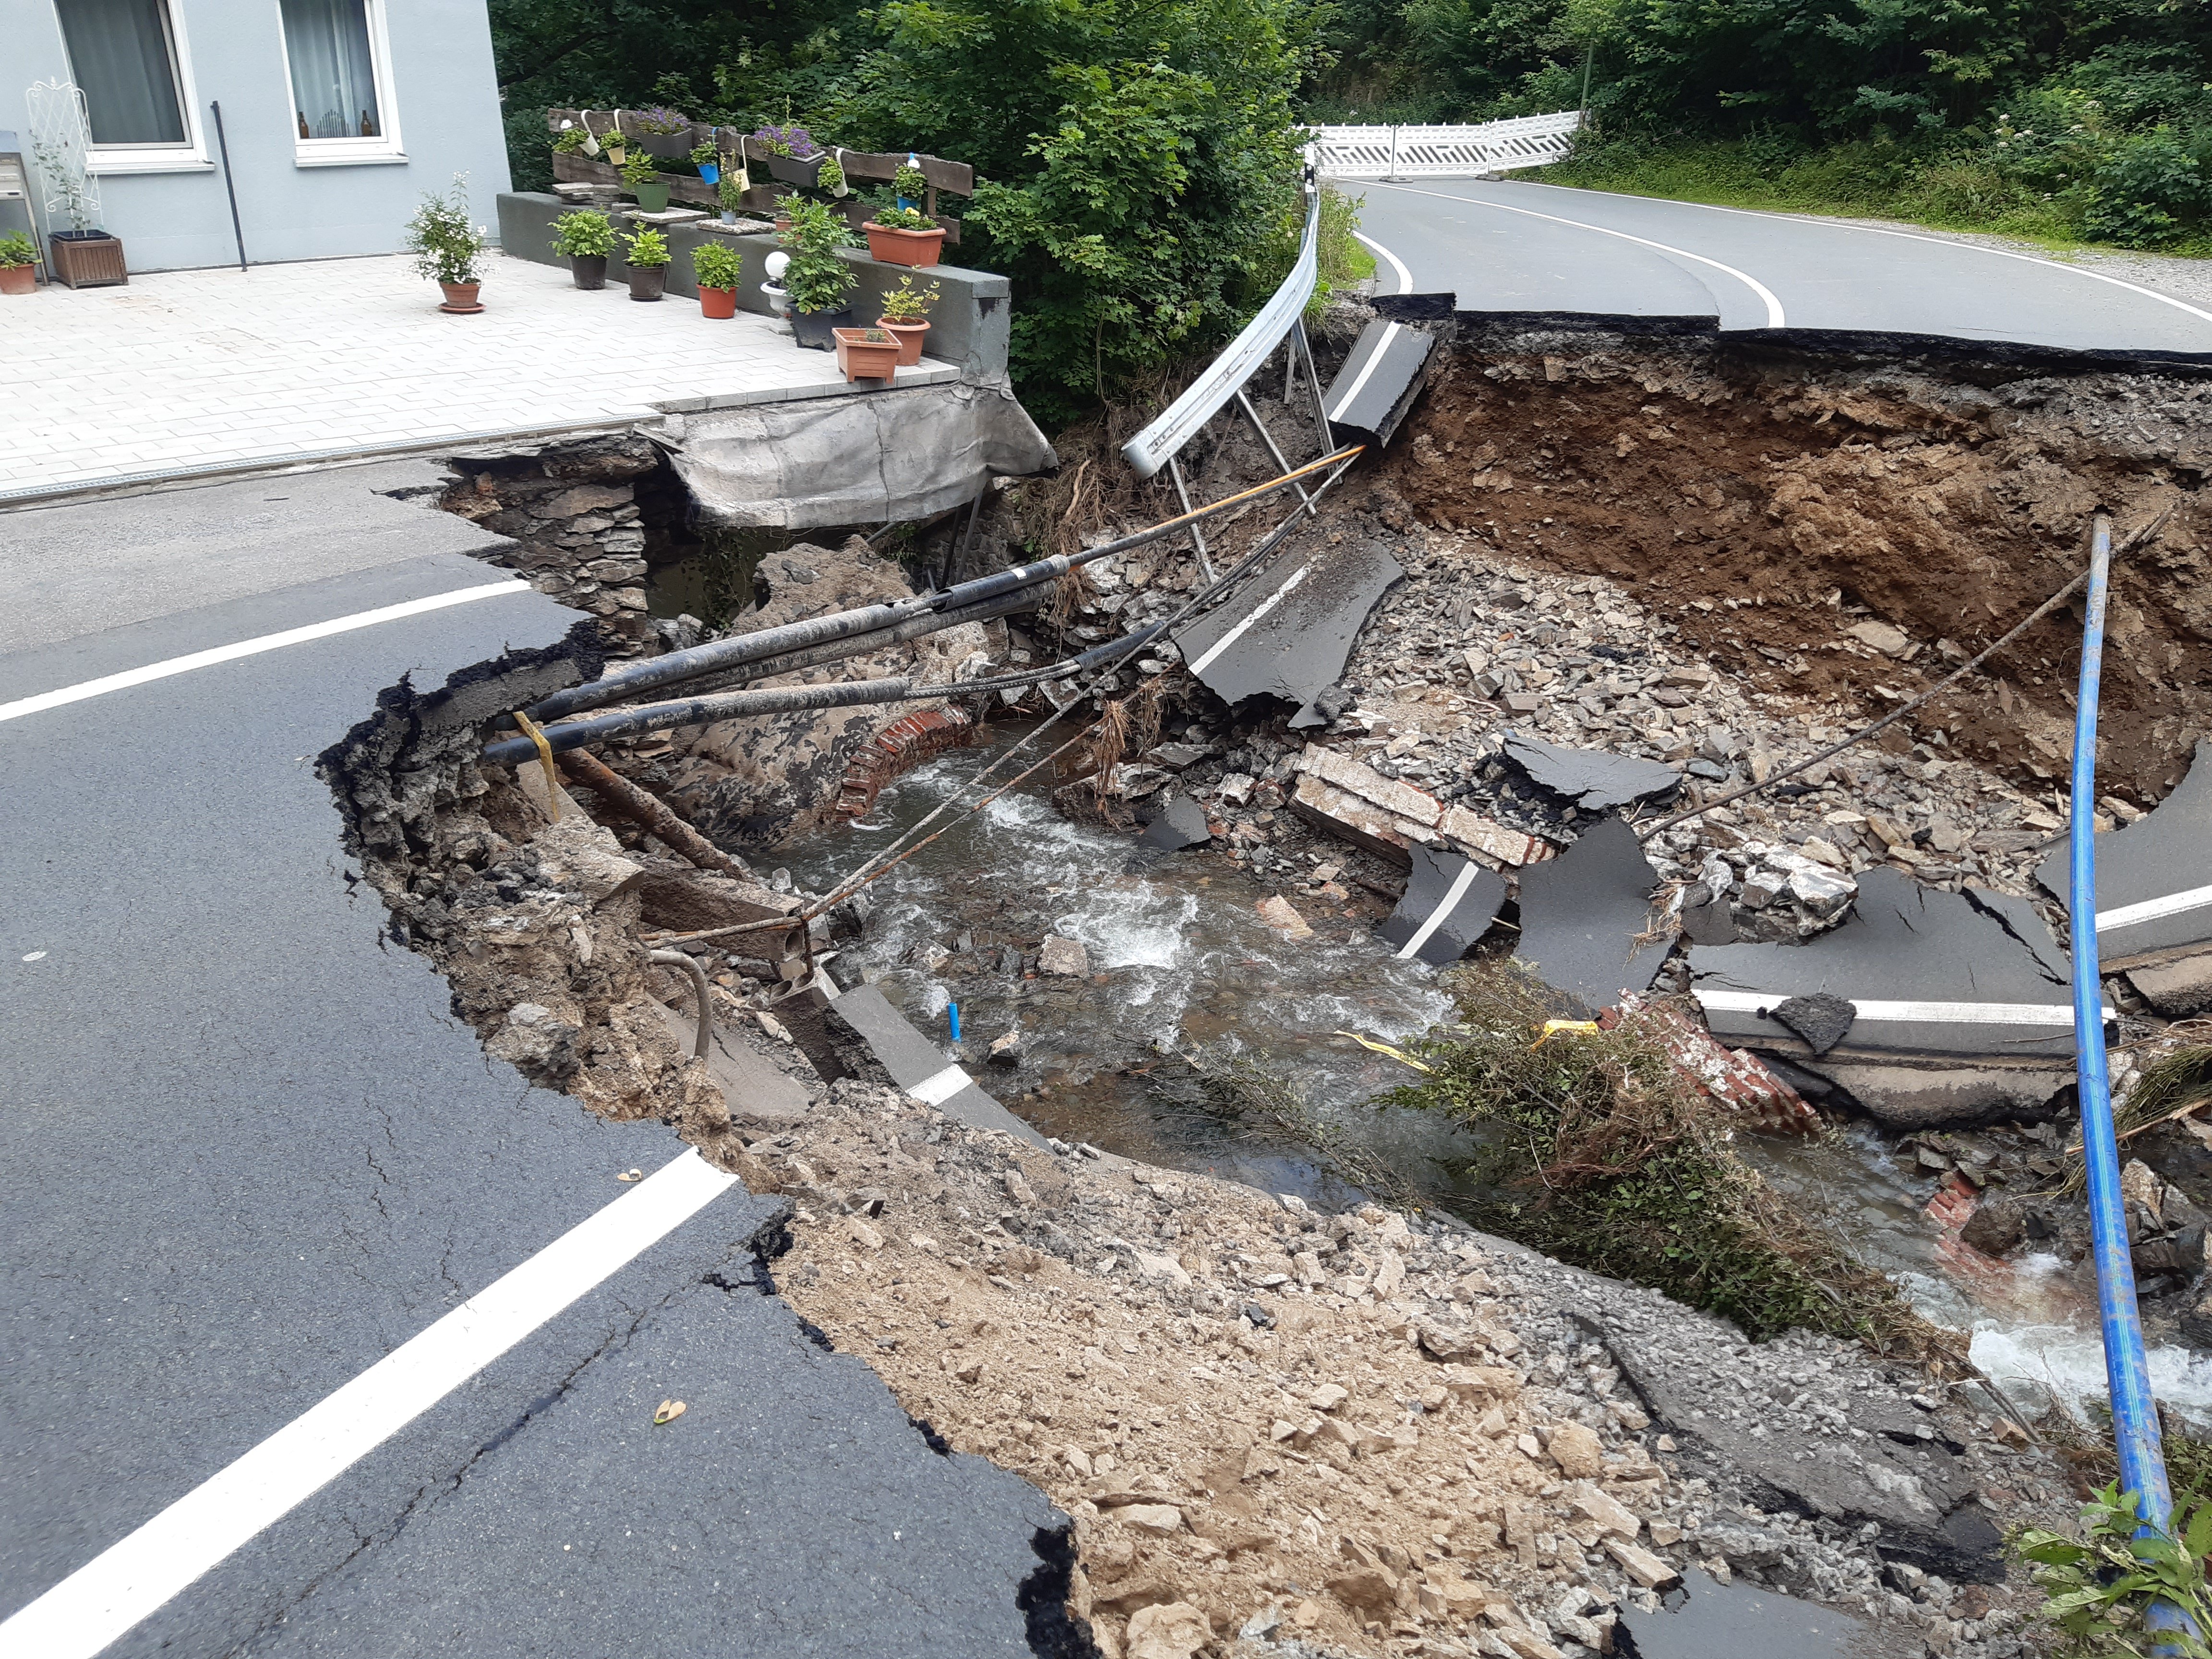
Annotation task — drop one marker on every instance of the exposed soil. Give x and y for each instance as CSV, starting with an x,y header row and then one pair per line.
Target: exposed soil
x,y
1755,496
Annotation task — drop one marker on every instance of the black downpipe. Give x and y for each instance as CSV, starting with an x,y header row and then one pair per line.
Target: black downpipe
x,y
229,184
698,711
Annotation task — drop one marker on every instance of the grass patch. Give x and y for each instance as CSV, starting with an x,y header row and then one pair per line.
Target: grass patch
x,y
1600,1153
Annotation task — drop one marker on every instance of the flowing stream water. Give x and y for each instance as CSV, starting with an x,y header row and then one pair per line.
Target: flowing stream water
x,y
1182,968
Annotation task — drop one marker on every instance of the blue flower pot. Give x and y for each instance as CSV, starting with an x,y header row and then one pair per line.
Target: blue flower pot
x,y
709,174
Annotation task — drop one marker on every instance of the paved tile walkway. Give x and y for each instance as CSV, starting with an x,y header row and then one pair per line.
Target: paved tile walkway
x,y
196,369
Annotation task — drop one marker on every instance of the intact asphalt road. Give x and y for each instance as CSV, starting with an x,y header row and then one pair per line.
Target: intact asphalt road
x,y
251,1154
1517,246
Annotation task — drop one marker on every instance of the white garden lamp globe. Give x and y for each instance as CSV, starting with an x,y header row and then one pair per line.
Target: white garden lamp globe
x,y
776,264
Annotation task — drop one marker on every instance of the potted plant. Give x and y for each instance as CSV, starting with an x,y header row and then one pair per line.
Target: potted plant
x,y
866,354
732,192
572,139
904,236
642,182
831,178
647,254
661,132
708,160
448,249
585,240
717,271
616,142
19,257
906,317
815,277
792,154
84,256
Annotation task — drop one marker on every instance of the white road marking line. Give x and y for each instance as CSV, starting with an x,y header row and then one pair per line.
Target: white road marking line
x,y
1913,1013
2133,915
253,648
134,1577
1766,294
1461,883
1912,236
1366,369
936,1089
1397,266
1258,612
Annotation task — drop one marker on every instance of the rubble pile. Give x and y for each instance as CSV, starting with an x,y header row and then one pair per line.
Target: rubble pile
x,y
1282,1432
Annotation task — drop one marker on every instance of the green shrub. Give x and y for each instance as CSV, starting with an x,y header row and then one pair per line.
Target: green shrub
x,y
583,236
446,246
637,169
2149,191
17,250
714,265
2099,1588
817,279
646,249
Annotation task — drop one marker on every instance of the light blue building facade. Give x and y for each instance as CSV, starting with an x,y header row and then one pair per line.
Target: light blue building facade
x,y
338,115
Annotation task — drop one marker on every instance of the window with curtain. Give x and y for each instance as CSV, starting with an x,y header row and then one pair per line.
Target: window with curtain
x,y
333,71
121,55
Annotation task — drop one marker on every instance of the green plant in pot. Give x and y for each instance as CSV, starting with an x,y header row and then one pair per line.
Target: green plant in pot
x,y
905,236
646,253
18,259
717,271
906,317
732,192
866,354
817,280
585,240
662,132
791,154
448,248
644,184
571,140
709,160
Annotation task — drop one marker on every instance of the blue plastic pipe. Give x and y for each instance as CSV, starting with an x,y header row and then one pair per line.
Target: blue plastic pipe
x,y
953,1009
2135,1414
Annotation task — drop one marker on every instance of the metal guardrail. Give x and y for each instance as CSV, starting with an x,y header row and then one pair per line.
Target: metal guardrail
x,y
1158,444
1385,152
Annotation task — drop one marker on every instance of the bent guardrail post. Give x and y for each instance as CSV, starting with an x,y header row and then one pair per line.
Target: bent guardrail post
x,y
2127,1370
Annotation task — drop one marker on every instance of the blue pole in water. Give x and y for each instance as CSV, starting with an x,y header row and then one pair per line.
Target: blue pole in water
x,y
953,1009
2135,1413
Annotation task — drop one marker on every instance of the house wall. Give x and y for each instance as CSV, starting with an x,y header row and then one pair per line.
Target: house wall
x,y
443,100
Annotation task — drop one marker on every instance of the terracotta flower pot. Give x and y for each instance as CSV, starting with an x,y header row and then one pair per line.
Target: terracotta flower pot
x,y
19,279
648,282
589,270
894,247
863,359
909,337
718,302
461,298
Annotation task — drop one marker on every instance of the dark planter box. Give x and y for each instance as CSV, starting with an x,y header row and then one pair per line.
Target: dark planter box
x,y
807,173
86,258
817,329
668,144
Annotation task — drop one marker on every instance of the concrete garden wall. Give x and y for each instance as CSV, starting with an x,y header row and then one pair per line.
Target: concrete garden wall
x,y
968,327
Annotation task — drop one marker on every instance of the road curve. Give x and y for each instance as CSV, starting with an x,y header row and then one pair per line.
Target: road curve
x,y
1516,245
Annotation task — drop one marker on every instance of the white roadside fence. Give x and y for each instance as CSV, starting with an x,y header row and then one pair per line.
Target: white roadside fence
x,y
1432,152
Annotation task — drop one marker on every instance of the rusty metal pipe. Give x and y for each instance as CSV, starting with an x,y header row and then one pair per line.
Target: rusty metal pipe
x,y
650,810
701,995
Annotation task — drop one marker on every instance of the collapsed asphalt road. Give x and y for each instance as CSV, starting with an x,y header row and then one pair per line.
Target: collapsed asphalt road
x,y
261,1170
1522,247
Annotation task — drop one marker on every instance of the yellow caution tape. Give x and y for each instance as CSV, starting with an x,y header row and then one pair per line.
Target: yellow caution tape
x,y
1554,1027
544,759
1398,1054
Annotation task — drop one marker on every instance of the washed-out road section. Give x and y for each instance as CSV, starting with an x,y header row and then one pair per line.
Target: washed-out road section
x,y
257,1155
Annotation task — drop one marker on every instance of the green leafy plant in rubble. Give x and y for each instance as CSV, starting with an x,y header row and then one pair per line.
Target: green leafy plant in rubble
x,y
2099,1588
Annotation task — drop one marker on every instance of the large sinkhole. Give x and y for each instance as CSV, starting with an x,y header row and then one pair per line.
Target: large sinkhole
x,y
1715,554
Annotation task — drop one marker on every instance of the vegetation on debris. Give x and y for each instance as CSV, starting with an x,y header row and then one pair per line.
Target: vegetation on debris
x,y
2100,1588
446,243
1599,1151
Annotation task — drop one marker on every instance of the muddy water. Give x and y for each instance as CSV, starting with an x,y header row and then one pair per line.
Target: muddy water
x,y
1181,968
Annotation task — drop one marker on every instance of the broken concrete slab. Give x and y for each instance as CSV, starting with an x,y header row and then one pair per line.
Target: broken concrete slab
x,y
1354,801
1379,381
1581,914
2154,877
2180,990
1289,634
1592,778
877,1042
1961,1004
760,1094
1448,904
1176,822
1713,1620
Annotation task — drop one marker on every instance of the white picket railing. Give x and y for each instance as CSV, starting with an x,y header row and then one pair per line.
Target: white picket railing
x,y
1527,141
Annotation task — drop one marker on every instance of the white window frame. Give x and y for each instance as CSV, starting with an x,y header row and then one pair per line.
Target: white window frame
x,y
192,156
347,152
